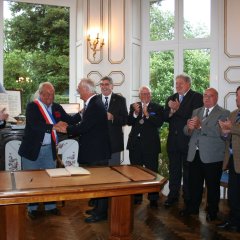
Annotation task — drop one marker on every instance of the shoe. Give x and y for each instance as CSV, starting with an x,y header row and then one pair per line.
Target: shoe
x,y
90,211
169,202
187,212
153,204
95,218
54,211
228,226
33,214
211,217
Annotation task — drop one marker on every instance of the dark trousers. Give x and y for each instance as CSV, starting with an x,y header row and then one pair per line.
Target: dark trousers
x,y
100,204
178,169
234,194
211,174
140,157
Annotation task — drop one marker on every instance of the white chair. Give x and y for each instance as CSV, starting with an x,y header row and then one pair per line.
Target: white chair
x,y
68,149
12,159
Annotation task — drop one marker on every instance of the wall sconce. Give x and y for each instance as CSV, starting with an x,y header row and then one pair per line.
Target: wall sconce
x,y
95,44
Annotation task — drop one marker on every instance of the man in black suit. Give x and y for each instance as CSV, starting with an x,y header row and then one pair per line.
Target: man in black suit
x,y
3,118
94,143
144,146
117,114
38,147
178,110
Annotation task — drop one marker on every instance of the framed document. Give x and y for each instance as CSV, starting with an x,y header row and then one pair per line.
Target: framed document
x,y
11,100
14,102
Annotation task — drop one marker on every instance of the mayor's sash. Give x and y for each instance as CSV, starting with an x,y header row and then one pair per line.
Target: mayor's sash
x,y
48,117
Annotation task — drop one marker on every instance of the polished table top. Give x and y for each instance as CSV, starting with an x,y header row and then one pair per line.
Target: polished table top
x,y
30,186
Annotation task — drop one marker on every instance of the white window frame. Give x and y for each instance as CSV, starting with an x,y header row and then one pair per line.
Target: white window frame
x,y
179,44
72,4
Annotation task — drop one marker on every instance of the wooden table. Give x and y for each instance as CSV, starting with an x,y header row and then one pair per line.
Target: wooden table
x,y
118,183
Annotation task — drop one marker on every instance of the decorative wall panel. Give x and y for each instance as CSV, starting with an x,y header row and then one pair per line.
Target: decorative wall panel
x,y
231,28
136,56
116,31
95,76
118,77
230,101
232,74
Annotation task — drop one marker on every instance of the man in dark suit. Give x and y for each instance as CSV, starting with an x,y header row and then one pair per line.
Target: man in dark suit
x,y
205,155
94,143
117,114
231,131
38,147
178,110
144,146
3,118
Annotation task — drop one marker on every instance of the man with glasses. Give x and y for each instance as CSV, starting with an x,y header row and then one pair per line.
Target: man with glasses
x,y
145,117
117,115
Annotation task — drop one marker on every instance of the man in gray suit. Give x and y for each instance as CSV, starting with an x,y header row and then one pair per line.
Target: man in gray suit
x,y
205,154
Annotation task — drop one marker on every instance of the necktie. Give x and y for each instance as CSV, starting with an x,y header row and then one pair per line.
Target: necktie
x,y
207,112
180,98
106,103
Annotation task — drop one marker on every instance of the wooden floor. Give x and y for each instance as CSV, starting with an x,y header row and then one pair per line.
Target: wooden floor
x,y
149,224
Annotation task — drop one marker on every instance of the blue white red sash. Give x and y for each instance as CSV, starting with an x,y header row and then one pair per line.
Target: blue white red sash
x,y
48,117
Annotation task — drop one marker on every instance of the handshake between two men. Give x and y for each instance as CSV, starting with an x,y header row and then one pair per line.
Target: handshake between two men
x,y
60,127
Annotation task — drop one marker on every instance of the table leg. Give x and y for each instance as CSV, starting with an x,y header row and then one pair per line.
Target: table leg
x,y
13,222
121,217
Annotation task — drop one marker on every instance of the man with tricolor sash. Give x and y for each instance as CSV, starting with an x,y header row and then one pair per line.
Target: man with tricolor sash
x,y
38,147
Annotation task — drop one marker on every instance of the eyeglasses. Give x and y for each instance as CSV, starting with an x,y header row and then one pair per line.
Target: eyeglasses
x,y
104,84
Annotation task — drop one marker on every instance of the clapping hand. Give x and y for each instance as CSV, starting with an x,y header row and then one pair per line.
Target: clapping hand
x,y
136,107
174,105
225,126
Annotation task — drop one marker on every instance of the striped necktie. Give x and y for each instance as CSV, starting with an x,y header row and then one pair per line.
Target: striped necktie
x,y
106,103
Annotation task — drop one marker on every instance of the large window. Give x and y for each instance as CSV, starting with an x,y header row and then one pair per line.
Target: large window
x,y
38,44
184,28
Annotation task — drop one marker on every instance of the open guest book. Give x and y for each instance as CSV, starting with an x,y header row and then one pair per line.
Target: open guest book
x,y
67,171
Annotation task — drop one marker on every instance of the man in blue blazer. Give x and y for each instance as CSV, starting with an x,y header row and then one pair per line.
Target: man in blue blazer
x,y
38,147
205,154
117,115
94,143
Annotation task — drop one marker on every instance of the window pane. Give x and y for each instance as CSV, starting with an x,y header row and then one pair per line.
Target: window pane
x,y
36,48
162,20
196,18
197,65
161,75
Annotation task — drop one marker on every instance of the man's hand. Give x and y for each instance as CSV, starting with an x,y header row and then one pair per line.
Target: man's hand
x,y
60,127
193,123
225,126
174,105
3,115
110,116
136,108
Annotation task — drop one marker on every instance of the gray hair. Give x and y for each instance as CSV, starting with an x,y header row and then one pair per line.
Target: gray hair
x,y
43,85
185,77
108,79
144,87
88,84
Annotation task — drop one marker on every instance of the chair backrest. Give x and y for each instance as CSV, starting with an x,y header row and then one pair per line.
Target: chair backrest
x,y
68,149
12,159
224,183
